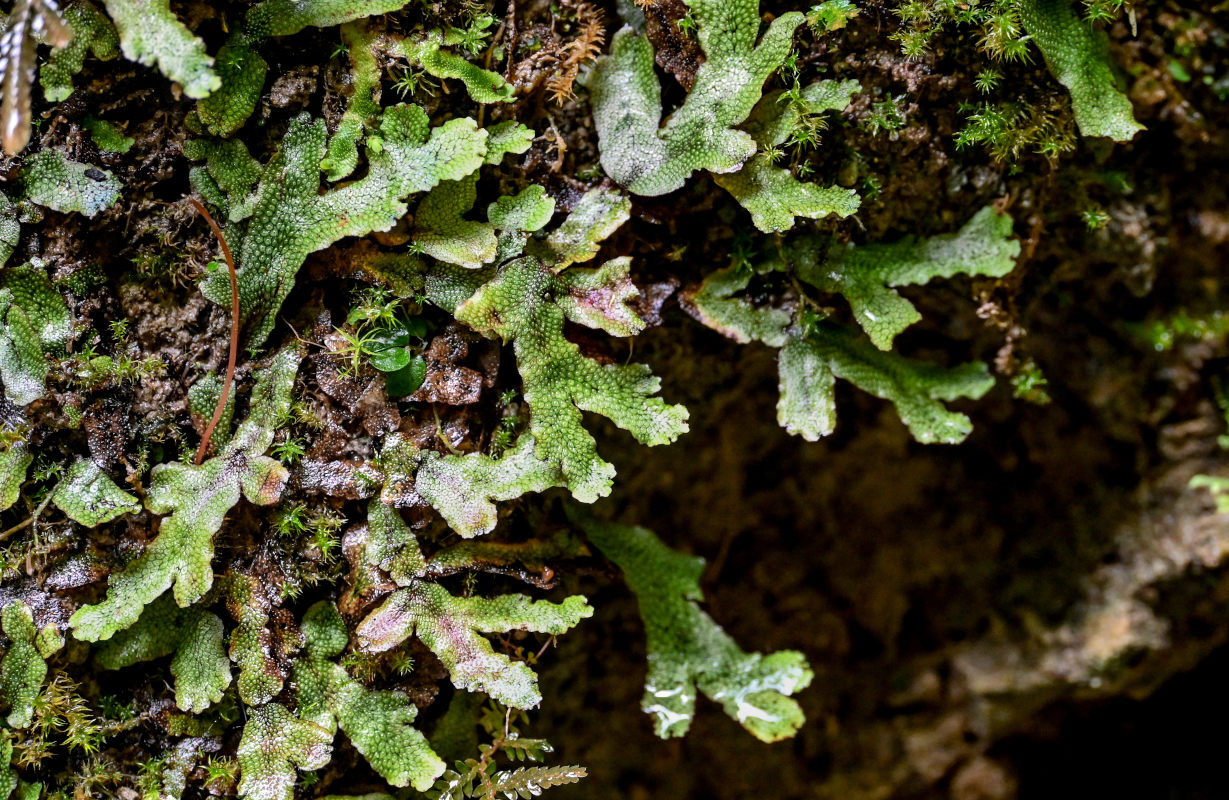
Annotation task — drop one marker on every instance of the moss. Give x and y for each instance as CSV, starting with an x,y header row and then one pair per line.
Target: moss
x,y
88,496
814,352
701,134
107,136
450,625
34,320
377,722
291,219
23,668
528,282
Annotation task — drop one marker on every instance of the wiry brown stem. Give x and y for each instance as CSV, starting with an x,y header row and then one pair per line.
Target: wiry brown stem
x,y
234,329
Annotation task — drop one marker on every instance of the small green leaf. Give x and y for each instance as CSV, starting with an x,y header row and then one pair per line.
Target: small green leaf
x,y
387,349
391,360
408,379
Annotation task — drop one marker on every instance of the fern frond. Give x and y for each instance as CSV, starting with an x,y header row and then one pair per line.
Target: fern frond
x,y
526,749
531,781
29,21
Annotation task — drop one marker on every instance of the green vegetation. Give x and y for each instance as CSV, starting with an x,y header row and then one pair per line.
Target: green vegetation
x,y
450,625
688,651
53,180
197,499
816,351
702,134
150,33
378,723
1079,58
34,320
455,307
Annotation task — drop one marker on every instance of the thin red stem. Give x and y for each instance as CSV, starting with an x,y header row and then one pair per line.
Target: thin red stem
x,y
234,330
